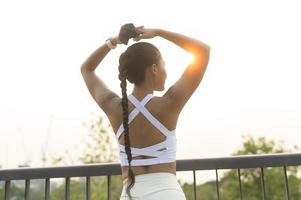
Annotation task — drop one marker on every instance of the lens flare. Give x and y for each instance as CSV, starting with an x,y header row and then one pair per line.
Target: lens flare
x,y
189,58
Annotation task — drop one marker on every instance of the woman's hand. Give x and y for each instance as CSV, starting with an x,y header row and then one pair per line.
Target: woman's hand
x,y
145,33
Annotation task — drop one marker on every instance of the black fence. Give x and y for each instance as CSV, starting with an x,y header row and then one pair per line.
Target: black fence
x,y
109,169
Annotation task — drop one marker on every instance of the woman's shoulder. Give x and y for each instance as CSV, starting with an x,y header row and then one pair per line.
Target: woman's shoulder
x,y
162,105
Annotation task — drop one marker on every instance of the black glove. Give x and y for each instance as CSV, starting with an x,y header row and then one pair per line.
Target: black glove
x,y
127,32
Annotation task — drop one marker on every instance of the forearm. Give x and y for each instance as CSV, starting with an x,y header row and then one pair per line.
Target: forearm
x,y
91,63
189,44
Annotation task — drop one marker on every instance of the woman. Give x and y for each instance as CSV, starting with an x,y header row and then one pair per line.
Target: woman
x,y
145,124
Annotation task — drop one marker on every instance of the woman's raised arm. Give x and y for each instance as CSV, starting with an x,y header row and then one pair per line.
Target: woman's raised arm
x,y
180,92
104,97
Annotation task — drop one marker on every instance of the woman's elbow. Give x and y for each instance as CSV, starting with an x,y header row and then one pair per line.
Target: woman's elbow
x,y
84,68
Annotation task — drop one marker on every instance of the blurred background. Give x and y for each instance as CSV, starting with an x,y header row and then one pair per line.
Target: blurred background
x,y
251,87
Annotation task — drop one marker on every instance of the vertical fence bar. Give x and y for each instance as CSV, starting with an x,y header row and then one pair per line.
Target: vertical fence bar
x,y
47,189
286,184
27,188
262,184
217,186
88,189
239,181
194,185
67,188
7,190
109,188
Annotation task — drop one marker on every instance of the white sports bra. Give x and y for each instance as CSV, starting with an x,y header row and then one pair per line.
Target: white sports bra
x,y
167,155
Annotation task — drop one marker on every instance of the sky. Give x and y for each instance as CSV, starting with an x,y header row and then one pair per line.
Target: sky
x,y
251,85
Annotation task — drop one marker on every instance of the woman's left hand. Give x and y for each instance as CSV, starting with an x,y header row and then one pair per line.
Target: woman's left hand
x,y
145,33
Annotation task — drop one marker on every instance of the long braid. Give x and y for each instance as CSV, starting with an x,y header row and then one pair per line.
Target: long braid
x,y
131,177
132,65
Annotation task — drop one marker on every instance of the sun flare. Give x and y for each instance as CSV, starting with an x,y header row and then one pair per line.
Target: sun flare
x,y
189,58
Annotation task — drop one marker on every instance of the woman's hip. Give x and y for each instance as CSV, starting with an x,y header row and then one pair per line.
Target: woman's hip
x,y
154,186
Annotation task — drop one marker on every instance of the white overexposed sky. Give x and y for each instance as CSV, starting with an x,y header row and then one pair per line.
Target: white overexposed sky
x,y
252,84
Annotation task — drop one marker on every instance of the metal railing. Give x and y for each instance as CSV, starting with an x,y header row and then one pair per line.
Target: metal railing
x,y
109,169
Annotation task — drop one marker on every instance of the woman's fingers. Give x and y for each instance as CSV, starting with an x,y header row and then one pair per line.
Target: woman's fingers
x,y
137,38
140,29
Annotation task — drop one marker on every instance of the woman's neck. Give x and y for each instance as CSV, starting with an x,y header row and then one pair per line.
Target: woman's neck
x,y
141,91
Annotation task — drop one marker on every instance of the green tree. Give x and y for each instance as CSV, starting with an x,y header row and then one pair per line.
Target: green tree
x,y
100,147
1,193
250,178
16,191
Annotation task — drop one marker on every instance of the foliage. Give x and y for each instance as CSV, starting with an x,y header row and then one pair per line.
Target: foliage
x,y
250,178
100,148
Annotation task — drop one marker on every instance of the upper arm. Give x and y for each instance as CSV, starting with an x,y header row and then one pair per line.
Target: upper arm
x,y
104,97
180,92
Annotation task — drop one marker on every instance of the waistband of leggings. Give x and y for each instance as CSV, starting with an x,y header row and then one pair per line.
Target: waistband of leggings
x,y
150,176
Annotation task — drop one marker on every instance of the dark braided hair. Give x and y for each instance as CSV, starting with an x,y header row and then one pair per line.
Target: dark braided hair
x,y
132,65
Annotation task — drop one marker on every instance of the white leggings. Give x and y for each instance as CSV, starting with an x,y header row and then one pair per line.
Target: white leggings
x,y
154,186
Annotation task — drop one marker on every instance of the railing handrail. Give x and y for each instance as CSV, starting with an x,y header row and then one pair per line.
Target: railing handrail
x,y
105,169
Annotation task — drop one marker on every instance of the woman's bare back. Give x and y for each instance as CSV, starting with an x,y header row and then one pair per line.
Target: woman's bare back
x,y
143,133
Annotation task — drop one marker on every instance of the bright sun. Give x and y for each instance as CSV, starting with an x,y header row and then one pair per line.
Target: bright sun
x,y
189,58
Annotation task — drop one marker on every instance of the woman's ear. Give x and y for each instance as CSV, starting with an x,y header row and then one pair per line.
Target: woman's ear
x,y
155,68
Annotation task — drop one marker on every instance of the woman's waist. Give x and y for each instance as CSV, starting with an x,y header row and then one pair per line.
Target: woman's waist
x,y
142,170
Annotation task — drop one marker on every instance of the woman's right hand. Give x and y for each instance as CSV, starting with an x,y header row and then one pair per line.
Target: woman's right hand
x,y
145,33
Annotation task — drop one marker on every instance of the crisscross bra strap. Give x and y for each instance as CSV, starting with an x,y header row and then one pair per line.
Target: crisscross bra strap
x,y
149,116
133,114
165,158
168,146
